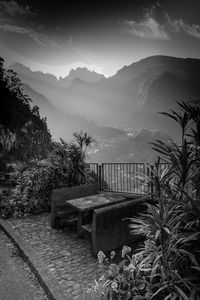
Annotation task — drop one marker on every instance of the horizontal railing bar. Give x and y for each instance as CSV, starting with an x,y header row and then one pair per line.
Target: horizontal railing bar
x,y
123,163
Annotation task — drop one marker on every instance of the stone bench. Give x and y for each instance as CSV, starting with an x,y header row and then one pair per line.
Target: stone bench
x,y
109,228
61,213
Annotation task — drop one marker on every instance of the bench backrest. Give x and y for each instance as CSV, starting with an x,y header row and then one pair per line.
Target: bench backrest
x,y
109,230
59,196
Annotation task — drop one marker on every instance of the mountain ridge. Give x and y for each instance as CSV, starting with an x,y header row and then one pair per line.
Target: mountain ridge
x,y
130,98
79,72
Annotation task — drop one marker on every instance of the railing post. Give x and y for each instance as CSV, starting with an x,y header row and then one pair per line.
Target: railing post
x,y
148,176
151,186
150,169
100,177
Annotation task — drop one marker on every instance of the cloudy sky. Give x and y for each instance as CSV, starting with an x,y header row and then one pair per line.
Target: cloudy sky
x,y
55,36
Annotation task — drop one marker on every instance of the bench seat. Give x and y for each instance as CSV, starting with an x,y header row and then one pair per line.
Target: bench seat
x,y
70,218
87,228
109,229
61,213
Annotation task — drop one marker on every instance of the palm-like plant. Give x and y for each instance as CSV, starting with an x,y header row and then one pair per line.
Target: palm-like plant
x,y
181,119
165,255
69,160
158,179
84,140
171,225
181,158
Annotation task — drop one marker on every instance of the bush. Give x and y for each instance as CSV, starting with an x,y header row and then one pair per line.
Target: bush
x,y
126,280
168,264
64,167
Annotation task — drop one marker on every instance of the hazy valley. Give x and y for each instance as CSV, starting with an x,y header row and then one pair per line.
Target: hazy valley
x,y
120,112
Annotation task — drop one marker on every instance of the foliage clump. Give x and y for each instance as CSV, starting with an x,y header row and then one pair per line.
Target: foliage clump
x,y
65,166
23,133
167,266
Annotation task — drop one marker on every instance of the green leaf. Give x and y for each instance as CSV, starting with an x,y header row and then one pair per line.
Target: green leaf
x,y
139,297
160,289
167,230
181,293
168,297
195,267
157,234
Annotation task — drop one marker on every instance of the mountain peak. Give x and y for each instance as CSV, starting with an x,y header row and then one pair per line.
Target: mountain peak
x,y
84,74
157,64
23,70
18,66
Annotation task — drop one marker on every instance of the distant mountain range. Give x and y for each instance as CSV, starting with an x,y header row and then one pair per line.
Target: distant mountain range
x,y
131,98
64,124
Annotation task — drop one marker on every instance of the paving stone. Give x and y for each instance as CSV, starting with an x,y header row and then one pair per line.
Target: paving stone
x,y
70,283
76,292
65,255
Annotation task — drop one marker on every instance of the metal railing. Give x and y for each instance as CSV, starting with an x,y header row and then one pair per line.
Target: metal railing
x,y
123,177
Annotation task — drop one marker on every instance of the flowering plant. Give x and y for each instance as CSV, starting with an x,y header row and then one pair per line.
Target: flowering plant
x,y
125,280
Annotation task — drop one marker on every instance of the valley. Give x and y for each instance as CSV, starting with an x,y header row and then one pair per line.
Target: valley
x,y
121,112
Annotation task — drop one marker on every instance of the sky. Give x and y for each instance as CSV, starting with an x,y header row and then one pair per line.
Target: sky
x,y
56,36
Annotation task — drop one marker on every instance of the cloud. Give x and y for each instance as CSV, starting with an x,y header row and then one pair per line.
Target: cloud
x,y
179,25
150,28
13,8
22,30
40,38
146,28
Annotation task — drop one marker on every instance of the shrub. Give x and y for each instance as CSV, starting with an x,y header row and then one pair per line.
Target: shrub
x,y
168,264
64,167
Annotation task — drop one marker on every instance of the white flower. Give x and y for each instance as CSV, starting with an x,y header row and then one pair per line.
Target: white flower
x,y
125,250
114,286
112,254
114,269
131,267
101,256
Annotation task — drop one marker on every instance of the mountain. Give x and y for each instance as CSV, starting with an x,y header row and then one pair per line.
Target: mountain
x,y
80,73
130,99
26,75
47,110
64,124
45,106
58,92
132,146
135,94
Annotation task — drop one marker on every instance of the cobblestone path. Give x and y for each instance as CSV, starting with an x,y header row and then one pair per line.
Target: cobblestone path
x,y
64,254
17,282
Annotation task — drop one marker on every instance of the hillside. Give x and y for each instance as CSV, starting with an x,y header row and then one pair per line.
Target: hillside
x,y
131,98
64,124
130,147
111,108
23,133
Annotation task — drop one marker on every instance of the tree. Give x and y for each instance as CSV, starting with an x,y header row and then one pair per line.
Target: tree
x,y
21,125
84,140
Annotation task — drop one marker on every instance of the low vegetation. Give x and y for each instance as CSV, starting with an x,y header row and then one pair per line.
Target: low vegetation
x,y
167,266
65,166
23,133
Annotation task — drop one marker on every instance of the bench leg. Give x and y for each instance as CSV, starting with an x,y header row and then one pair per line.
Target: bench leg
x,y
80,223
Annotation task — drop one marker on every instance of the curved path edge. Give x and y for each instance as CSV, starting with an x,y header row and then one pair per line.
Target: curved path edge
x,y
50,284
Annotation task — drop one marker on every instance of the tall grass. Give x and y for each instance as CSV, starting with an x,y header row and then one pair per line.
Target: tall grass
x,y
168,264
172,224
